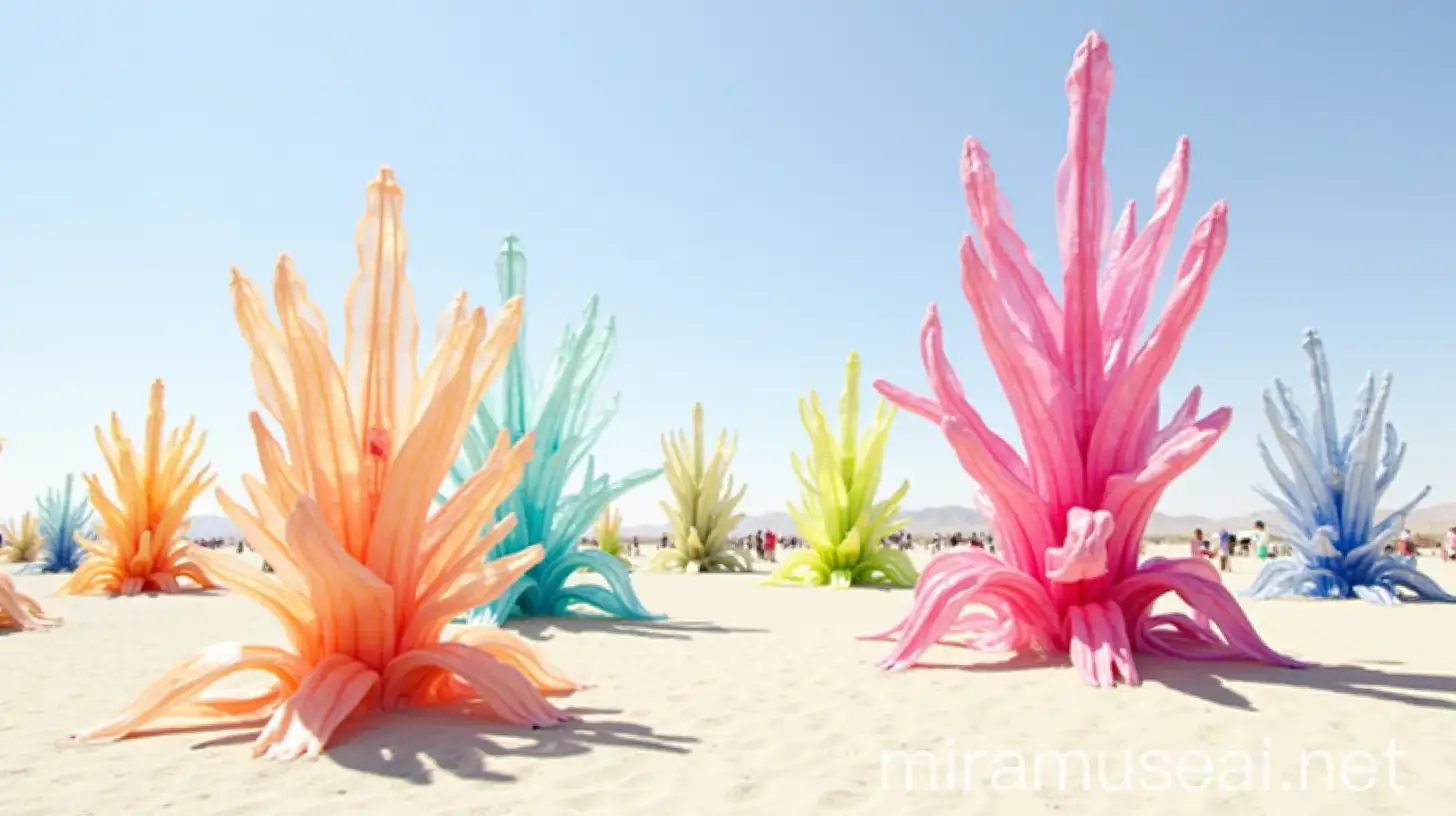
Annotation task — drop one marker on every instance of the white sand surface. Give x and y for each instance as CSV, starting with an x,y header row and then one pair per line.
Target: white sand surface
x,y
752,699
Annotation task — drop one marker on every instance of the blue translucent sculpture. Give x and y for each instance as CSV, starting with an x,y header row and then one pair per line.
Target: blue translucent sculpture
x,y
559,413
1329,499
61,516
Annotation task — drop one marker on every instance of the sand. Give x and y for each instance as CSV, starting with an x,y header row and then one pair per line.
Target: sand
x,y
752,699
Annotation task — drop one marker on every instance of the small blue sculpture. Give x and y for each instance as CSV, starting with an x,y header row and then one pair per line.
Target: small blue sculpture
x,y
558,414
1329,500
60,520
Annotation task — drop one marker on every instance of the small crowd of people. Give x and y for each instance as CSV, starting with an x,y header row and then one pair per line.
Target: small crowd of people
x,y
905,540
1409,545
1257,542
1262,546
766,544
219,543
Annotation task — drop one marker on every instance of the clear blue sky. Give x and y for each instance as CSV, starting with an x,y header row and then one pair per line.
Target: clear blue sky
x,y
754,188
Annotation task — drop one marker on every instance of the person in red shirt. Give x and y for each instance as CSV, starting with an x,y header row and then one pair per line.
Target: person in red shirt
x,y
769,542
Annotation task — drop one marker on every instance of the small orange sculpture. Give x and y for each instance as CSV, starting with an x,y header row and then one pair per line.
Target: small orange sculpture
x,y
19,611
139,545
367,577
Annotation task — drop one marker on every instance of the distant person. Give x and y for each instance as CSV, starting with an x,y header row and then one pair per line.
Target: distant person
x,y
1198,545
1261,541
1406,545
1225,550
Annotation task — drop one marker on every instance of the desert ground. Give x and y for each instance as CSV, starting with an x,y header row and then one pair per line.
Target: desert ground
x,y
751,699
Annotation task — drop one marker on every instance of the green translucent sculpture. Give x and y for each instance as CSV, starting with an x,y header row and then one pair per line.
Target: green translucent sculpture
x,y
837,513
559,413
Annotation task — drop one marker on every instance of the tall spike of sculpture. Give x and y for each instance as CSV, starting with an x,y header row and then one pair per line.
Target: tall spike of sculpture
x,y
838,515
1328,499
1084,390
559,414
367,577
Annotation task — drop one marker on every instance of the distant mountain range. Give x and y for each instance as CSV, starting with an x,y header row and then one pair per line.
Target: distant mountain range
x,y
948,519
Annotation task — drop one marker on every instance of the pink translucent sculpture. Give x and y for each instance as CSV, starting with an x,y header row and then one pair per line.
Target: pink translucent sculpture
x,y
1070,517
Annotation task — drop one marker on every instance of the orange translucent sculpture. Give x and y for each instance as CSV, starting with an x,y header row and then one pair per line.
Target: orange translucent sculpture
x,y
139,545
19,611
366,576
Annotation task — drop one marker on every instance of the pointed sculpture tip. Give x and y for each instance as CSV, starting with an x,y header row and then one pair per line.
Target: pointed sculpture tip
x,y
973,156
1093,48
510,242
511,309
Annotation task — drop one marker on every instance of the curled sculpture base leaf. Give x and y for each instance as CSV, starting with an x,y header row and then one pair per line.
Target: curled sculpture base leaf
x,y
19,611
882,566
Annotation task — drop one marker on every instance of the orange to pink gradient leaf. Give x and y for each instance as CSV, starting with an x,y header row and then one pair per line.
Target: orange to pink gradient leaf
x,y
19,611
367,577
139,545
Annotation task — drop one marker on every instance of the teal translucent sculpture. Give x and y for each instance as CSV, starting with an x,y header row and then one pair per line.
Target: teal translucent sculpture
x,y
560,414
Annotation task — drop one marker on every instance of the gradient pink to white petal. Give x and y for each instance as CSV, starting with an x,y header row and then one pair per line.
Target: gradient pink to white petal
x,y
1084,390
